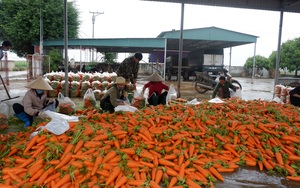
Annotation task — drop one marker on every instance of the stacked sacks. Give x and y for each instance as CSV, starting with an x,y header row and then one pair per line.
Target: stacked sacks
x,y
282,93
80,82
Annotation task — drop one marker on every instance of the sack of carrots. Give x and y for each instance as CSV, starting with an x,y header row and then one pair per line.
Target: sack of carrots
x,y
4,111
172,146
89,99
66,105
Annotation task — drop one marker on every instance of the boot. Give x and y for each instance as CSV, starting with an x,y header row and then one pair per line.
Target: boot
x,y
24,117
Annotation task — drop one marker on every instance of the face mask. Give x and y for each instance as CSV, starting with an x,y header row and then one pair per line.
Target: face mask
x,y
39,91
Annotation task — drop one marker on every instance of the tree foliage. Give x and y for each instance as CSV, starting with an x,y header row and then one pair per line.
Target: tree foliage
x,y
272,59
290,55
20,22
260,62
56,59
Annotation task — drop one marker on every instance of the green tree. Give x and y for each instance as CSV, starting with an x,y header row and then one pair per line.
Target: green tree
x,y
272,59
56,59
20,22
260,62
290,55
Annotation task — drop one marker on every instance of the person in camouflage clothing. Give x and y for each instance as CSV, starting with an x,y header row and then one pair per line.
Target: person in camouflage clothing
x,y
129,68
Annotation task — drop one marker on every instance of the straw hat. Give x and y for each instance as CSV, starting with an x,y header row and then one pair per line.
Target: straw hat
x,y
155,77
39,83
120,80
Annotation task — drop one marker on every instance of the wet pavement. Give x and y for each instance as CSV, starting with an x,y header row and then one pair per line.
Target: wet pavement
x,y
252,89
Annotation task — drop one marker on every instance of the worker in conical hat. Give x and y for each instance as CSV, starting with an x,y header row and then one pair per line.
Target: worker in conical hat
x,y
34,102
116,95
157,90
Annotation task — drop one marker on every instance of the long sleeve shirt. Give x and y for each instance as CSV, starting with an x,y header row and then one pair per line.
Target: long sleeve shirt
x,y
114,95
156,87
32,103
129,69
225,88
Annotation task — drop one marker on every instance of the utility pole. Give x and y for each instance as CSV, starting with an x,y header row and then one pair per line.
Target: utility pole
x,y
93,21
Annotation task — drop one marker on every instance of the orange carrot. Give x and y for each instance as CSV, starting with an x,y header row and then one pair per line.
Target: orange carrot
x,y
153,184
64,180
158,176
214,172
31,143
121,182
114,173
109,156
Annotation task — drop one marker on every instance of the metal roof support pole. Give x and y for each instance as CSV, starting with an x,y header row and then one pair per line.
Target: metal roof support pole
x,y
278,48
180,49
229,59
66,47
253,63
165,58
80,63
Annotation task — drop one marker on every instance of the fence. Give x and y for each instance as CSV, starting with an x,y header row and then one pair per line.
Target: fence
x,y
37,65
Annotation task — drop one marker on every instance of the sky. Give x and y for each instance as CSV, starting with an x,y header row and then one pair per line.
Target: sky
x,y
147,19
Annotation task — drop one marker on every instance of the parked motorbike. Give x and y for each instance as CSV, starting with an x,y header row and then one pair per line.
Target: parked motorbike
x,y
205,82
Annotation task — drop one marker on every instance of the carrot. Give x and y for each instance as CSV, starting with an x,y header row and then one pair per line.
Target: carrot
x,y
181,171
64,161
172,182
64,180
136,182
38,151
158,176
147,154
294,178
214,172
25,164
279,158
229,148
121,182
267,164
165,162
153,184
14,176
37,175
79,144
171,172
222,169
191,183
98,160
44,176
114,173
109,156
293,158
202,171
31,143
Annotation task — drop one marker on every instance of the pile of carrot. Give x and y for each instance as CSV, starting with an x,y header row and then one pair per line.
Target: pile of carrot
x,y
163,146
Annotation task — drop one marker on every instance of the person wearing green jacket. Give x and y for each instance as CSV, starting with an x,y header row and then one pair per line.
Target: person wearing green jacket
x,y
222,88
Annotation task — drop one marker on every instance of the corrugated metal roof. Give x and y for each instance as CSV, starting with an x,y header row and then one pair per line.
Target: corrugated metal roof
x,y
206,38
272,5
193,39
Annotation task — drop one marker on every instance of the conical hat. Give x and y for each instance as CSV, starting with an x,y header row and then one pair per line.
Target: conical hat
x,y
155,77
120,80
39,83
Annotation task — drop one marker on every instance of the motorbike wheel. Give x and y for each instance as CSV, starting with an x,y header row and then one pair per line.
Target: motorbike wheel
x,y
236,83
199,88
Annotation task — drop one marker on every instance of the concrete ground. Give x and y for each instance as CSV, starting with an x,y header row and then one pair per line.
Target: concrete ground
x,y
252,89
